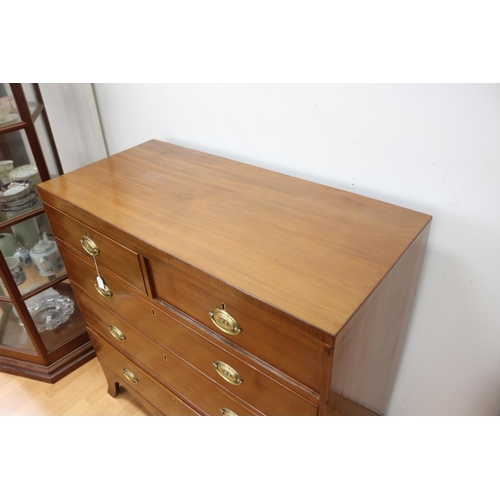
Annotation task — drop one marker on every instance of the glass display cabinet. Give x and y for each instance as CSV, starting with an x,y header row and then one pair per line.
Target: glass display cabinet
x,y
42,333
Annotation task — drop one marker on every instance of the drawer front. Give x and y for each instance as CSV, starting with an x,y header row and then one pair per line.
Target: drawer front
x,y
292,352
84,274
131,375
111,255
258,390
195,387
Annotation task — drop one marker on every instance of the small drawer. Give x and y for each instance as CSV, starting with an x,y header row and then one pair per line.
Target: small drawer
x,y
84,274
294,353
136,378
110,255
194,386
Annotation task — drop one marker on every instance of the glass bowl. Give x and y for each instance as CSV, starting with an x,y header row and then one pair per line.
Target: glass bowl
x,y
50,312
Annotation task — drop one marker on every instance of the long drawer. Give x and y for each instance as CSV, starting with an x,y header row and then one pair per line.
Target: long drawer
x,y
194,386
269,396
110,255
266,337
131,375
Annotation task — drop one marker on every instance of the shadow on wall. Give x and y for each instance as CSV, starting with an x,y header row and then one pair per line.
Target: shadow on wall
x,y
453,346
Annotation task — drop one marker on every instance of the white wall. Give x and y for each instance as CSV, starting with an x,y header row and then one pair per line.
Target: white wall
x,y
432,148
74,121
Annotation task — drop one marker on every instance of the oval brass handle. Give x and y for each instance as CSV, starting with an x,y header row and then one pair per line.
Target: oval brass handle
x,y
116,332
228,413
105,292
224,321
227,373
89,246
130,376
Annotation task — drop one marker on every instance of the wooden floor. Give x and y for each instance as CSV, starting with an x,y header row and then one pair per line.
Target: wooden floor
x,y
82,392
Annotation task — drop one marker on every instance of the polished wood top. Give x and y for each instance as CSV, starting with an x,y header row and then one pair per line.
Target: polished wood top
x,y
311,251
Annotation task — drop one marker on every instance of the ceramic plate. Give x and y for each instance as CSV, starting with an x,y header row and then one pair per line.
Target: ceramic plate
x,y
15,190
25,172
7,206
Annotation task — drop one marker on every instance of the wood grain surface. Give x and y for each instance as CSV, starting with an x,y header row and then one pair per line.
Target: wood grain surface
x,y
314,252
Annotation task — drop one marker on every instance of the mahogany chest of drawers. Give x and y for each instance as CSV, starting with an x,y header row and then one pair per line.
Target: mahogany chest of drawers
x,y
211,287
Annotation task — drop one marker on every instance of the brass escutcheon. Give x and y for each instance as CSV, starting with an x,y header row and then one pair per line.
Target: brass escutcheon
x,y
224,321
130,376
89,246
226,412
228,373
116,332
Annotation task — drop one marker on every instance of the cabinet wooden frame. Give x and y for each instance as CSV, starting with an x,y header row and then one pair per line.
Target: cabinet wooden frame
x,y
44,362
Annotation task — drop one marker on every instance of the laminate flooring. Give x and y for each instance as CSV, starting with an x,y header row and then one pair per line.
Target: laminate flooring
x,y
81,393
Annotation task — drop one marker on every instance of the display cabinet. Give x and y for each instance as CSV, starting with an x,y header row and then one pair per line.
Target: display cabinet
x,y
42,333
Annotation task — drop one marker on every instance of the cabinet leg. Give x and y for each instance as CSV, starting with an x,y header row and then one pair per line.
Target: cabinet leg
x,y
113,382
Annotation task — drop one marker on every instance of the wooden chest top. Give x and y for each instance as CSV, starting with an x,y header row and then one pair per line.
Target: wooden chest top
x,y
309,251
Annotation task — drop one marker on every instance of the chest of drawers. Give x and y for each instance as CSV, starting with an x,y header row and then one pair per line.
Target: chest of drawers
x,y
211,287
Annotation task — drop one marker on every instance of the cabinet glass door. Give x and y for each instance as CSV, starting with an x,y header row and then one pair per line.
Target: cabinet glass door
x,y
42,333
13,333
56,314
9,114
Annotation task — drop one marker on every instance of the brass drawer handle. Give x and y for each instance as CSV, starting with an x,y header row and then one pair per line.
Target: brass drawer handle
x,y
227,373
105,292
228,413
89,246
130,376
224,321
116,332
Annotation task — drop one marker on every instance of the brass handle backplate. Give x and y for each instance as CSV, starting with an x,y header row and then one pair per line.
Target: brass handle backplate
x,y
89,246
116,332
105,292
228,413
228,373
130,376
224,321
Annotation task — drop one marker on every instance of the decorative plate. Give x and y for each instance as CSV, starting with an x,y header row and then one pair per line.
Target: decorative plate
x,y
28,171
15,190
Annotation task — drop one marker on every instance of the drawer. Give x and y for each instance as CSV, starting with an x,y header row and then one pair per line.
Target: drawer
x,y
194,386
111,256
84,274
258,390
131,375
292,352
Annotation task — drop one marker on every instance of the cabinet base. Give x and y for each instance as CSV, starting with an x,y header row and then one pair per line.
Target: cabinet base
x,y
53,372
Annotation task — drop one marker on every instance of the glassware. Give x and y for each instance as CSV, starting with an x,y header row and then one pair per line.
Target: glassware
x,y
50,312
